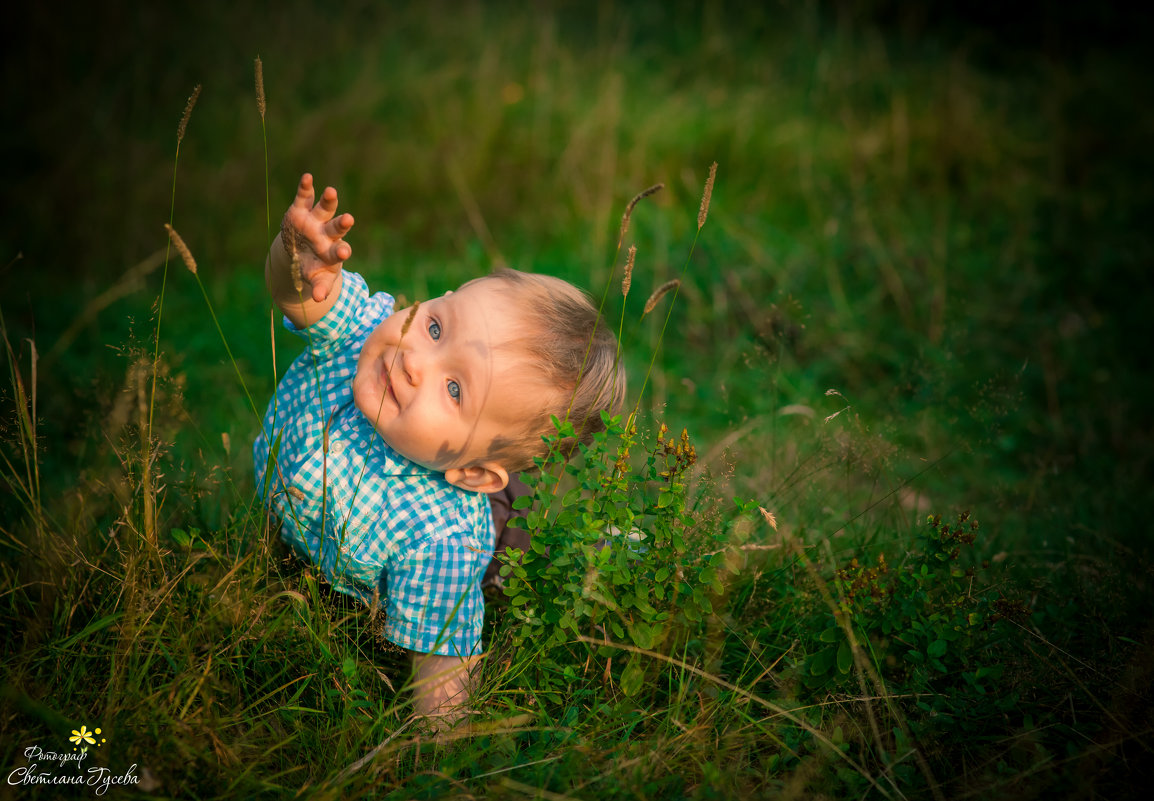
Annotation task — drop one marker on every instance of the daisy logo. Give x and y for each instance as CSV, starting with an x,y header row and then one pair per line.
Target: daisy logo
x,y
83,735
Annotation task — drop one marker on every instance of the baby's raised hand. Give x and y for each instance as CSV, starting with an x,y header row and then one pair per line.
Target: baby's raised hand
x,y
316,233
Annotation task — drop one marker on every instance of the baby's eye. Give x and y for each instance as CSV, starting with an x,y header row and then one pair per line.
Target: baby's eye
x,y
455,391
434,329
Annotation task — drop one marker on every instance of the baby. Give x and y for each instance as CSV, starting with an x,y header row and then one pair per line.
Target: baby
x,y
389,431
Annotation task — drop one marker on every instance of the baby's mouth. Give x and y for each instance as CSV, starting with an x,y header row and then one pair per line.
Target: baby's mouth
x,y
389,385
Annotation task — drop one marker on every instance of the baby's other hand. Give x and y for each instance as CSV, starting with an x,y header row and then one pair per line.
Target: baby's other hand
x,y
316,233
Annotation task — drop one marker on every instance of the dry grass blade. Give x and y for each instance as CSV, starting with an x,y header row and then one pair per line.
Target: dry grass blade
x,y
706,196
627,281
659,293
259,70
180,129
181,248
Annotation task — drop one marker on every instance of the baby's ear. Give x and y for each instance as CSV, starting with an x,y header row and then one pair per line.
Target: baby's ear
x,y
485,477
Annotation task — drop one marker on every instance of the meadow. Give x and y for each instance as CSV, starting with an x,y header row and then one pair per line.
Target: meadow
x,y
899,551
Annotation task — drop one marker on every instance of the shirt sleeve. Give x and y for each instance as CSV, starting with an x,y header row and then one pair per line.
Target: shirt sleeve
x,y
433,598
346,319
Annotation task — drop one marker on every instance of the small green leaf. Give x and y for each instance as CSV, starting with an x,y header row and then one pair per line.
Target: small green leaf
x,y
632,677
642,635
992,671
832,634
938,648
844,657
822,662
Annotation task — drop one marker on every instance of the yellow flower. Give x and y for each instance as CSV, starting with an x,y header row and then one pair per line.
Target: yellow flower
x,y
84,734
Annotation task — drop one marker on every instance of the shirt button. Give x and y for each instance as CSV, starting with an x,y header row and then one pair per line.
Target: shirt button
x,y
336,448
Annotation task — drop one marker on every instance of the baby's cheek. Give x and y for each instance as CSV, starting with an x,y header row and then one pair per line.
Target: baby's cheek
x,y
362,394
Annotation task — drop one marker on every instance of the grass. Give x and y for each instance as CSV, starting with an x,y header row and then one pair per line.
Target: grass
x,y
945,228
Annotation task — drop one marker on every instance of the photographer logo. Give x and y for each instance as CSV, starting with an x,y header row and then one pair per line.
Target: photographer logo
x,y
66,767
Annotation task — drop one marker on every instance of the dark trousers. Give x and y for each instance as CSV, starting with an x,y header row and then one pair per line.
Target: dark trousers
x,y
507,537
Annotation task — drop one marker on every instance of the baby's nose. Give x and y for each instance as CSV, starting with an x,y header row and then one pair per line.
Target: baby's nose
x,y
413,365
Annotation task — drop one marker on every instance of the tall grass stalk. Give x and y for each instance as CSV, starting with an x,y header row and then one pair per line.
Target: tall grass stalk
x,y
261,107
25,400
190,263
258,79
609,282
147,495
675,288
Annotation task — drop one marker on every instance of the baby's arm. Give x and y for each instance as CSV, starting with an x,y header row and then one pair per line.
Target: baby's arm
x,y
442,684
315,232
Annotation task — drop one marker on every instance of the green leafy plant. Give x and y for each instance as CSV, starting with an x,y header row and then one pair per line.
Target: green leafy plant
x,y
929,624
615,554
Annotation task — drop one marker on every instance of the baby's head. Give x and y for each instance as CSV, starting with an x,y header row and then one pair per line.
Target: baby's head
x,y
467,383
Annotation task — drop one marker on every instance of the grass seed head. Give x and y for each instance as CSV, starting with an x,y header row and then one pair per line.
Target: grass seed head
x,y
180,129
295,270
659,293
181,248
703,212
627,281
260,104
629,209
769,516
409,319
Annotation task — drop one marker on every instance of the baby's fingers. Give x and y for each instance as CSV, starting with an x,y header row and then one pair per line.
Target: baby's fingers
x,y
337,227
305,193
322,285
336,253
327,205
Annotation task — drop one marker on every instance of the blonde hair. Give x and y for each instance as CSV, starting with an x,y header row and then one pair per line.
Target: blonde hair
x,y
568,347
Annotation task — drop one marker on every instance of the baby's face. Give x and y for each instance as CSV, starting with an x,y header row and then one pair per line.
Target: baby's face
x,y
441,393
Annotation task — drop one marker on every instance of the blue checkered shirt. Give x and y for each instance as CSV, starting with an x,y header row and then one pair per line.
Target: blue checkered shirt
x,y
380,527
